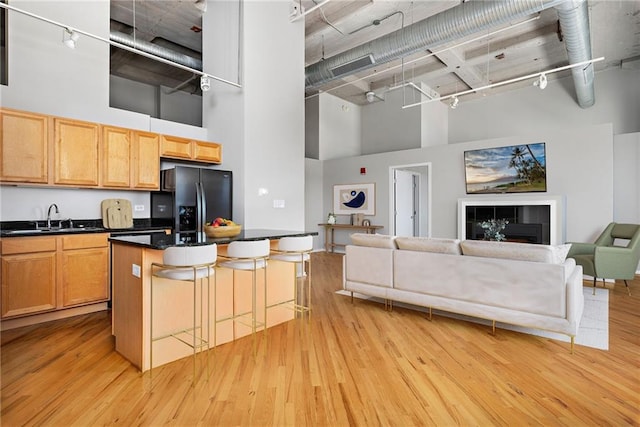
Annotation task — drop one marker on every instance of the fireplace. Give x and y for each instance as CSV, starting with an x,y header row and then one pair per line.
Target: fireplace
x,y
531,219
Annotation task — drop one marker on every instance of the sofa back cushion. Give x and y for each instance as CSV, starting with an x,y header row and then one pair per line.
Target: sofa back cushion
x,y
374,240
516,251
429,244
372,266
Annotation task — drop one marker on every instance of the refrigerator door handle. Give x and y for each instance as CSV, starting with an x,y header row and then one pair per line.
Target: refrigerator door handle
x,y
199,219
203,206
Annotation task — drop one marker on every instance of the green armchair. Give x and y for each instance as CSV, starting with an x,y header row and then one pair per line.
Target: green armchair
x,y
608,261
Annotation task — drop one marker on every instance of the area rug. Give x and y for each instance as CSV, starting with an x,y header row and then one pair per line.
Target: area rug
x,y
593,331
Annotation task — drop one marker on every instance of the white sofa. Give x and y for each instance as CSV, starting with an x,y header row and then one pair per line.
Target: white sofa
x,y
523,284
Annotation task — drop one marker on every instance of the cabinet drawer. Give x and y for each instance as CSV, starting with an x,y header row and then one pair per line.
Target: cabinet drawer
x,y
81,241
24,245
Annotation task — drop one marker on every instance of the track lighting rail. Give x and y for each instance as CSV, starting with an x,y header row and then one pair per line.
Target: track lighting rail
x,y
119,45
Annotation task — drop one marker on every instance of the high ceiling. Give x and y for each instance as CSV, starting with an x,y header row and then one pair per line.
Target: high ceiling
x,y
527,45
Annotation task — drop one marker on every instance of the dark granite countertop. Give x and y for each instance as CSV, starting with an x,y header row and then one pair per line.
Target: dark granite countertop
x,y
163,241
38,228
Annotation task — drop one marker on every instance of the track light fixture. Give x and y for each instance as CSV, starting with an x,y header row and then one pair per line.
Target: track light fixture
x,y
371,96
70,37
205,83
201,5
454,102
541,82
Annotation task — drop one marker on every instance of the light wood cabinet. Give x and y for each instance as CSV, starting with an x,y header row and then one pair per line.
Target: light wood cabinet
x,y
116,157
24,147
145,160
45,274
130,159
188,149
28,275
84,268
56,151
76,151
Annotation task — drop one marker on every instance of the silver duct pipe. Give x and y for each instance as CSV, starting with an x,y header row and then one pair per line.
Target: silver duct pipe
x,y
162,52
574,21
445,27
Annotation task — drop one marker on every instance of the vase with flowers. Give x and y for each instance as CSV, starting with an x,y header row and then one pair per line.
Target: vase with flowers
x,y
493,229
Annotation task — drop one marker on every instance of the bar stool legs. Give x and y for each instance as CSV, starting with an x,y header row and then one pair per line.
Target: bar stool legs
x,y
176,267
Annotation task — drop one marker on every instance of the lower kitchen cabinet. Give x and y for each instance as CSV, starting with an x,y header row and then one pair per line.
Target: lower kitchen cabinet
x,y
53,273
85,269
28,275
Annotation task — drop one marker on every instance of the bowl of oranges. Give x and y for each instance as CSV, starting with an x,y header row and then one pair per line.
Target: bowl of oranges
x,y
221,227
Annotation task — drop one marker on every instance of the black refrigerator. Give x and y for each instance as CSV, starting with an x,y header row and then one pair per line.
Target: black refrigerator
x,y
190,196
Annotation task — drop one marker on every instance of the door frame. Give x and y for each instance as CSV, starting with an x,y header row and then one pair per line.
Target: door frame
x,y
424,170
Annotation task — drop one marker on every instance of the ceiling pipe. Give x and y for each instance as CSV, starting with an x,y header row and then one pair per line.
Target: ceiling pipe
x,y
452,24
154,49
574,22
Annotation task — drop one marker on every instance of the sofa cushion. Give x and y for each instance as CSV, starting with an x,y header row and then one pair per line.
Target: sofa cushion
x,y
517,251
374,240
429,244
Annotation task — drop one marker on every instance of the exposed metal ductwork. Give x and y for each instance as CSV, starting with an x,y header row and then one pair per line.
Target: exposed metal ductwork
x,y
458,22
574,21
162,52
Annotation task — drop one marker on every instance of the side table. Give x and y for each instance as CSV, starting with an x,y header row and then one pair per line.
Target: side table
x,y
330,228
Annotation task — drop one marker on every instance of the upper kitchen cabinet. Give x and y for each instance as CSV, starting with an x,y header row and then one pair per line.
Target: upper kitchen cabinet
x,y
130,159
76,152
145,160
116,157
24,147
174,147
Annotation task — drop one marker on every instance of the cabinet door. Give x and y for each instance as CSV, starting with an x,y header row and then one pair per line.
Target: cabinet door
x,y
145,160
85,268
85,276
116,157
175,147
207,151
28,283
76,152
24,144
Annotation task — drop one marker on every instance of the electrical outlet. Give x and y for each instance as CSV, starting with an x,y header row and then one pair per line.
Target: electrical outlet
x,y
278,204
138,208
135,270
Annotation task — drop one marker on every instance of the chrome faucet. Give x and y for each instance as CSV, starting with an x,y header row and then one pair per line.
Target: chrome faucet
x,y
52,205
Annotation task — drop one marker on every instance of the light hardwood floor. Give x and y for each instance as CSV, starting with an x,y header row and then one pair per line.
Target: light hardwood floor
x,y
352,365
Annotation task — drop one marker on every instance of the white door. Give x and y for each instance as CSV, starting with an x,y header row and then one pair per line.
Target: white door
x,y
405,203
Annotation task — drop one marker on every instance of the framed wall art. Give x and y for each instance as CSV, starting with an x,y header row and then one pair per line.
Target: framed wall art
x,y
354,198
512,169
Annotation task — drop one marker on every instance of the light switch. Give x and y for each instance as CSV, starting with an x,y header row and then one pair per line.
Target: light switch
x,y
135,270
279,204
138,208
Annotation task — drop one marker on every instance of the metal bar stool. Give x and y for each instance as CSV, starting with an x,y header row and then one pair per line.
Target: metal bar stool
x,y
248,256
187,264
296,250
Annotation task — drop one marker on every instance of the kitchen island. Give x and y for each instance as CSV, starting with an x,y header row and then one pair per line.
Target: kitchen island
x,y
131,259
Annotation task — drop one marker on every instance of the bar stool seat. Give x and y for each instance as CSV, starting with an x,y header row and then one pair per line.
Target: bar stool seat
x,y
296,250
187,264
251,256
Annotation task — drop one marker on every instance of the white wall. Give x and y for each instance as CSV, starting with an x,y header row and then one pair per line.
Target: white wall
x,y
626,176
377,134
264,121
568,151
339,127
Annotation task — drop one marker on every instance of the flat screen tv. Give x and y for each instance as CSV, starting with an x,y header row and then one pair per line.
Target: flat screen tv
x,y
512,169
